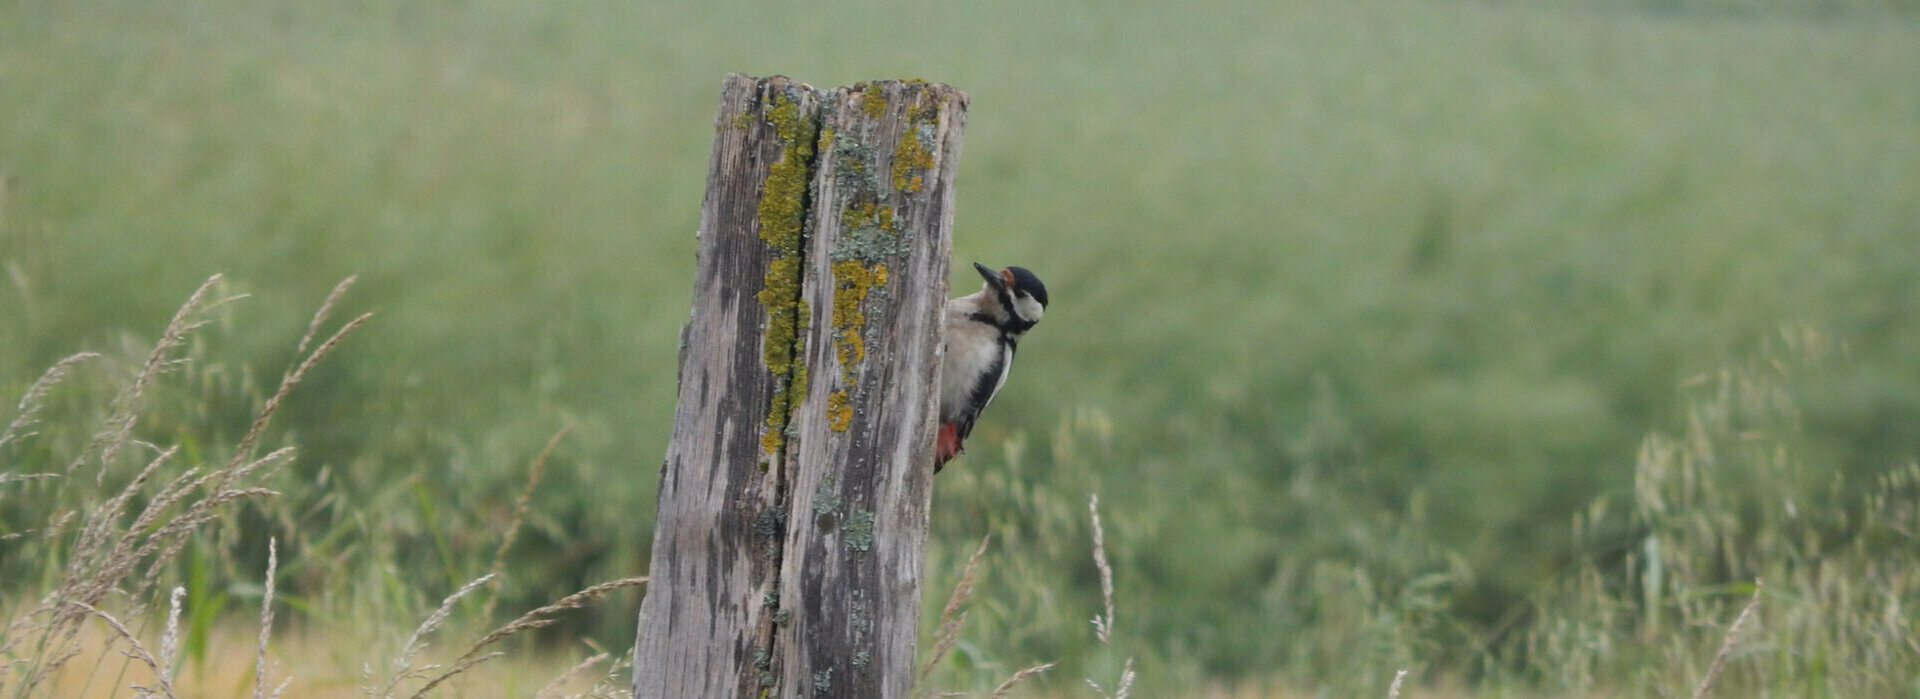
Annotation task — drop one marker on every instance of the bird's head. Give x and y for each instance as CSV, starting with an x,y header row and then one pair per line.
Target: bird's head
x,y
1019,292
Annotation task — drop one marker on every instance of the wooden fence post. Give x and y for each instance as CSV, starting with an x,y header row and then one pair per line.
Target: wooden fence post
x,y
789,537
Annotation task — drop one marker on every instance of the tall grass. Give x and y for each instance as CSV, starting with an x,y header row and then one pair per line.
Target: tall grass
x,y
122,512
1356,301
1661,594
1734,500
128,539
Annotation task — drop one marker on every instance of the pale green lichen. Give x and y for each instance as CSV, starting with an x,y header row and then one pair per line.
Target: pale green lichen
x,y
860,530
826,498
853,166
870,244
823,681
861,614
769,526
763,661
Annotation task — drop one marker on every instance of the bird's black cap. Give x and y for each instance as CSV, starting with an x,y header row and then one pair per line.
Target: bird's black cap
x,y
1024,280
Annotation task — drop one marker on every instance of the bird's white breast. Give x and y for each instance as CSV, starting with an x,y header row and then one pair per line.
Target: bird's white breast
x,y
972,348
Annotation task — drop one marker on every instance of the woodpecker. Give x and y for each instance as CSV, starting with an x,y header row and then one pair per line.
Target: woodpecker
x,y
983,329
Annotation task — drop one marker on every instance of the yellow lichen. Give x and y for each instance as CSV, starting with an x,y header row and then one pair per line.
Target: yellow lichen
x,y
910,158
771,441
779,293
839,412
870,215
925,108
785,399
783,198
797,387
851,281
873,102
780,215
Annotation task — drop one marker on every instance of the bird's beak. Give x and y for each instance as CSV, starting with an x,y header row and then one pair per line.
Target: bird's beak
x,y
993,278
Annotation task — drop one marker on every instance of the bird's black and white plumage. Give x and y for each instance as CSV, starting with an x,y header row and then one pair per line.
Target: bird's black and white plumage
x,y
983,329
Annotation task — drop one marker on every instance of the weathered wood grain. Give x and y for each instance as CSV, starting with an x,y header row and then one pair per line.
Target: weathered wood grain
x,y
718,527
863,466
793,501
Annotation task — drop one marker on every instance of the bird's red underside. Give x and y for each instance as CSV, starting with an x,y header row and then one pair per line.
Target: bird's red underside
x,y
948,445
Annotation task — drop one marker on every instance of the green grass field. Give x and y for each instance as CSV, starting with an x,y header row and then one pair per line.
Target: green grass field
x,y
1507,343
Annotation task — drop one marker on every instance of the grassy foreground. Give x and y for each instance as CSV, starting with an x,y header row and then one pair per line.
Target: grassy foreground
x,y
1505,343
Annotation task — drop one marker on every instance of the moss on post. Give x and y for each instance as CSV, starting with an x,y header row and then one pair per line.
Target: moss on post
x,y
782,220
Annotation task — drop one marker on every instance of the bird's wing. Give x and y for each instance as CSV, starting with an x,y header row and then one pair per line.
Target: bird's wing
x,y
984,391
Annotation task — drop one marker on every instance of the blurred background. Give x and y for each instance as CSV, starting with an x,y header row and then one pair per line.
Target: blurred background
x,y
1378,326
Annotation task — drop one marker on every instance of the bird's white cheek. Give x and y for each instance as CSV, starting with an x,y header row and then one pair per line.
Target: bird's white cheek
x,y
1029,308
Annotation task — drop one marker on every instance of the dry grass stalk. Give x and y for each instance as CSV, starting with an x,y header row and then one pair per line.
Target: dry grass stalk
x,y
292,378
98,573
102,556
1393,690
1726,644
952,617
418,641
1121,690
161,671
552,689
170,639
326,309
519,516
1102,625
105,553
125,409
616,683
527,622
266,625
238,465
165,543
30,402
1017,677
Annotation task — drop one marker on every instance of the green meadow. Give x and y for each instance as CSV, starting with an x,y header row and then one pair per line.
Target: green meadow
x,y
1505,343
